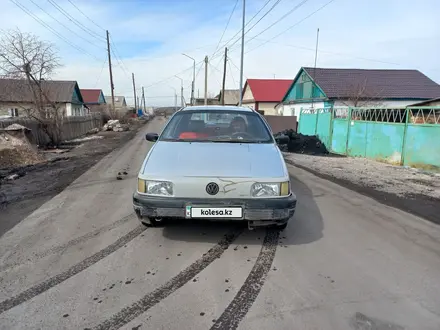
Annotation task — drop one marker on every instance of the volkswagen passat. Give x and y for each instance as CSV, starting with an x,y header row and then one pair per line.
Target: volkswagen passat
x,y
215,163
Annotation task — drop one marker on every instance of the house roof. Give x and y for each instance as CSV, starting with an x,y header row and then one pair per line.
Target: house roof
x,y
232,96
17,90
91,95
390,84
119,101
268,90
426,102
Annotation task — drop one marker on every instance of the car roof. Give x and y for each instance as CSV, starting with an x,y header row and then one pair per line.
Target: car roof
x,y
216,108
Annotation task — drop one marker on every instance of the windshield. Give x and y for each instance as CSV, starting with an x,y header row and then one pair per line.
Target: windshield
x,y
217,126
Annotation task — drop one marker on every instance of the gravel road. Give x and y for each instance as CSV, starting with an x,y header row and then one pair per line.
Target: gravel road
x,y
410,189
82,261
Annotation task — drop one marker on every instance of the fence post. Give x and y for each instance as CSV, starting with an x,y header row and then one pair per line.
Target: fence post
x,y
331,130
405,129
348,129
299,120
316,121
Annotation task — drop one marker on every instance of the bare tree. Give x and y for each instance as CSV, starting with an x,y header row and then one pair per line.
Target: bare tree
x,y
30,62
361,94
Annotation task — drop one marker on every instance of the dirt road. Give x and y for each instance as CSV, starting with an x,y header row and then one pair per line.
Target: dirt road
x,y
81,261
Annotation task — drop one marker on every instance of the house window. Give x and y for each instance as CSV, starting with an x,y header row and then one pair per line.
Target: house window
x,y
13,112
300,91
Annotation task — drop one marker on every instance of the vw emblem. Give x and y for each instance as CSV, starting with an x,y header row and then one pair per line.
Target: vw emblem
x,y
212,188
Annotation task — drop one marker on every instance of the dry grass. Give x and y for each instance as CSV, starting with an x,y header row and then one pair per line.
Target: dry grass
x,y
19,156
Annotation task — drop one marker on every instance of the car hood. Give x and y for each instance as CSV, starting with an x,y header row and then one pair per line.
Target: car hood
x,y
214,160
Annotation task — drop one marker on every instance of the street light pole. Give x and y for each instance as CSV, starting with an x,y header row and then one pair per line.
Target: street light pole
x,y
181,91
242,53
194,79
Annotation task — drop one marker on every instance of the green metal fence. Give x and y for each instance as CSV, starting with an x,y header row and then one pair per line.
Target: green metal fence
x,y
421,147
317,122
399,136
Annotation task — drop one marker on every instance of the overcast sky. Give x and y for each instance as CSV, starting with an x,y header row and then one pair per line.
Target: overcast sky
x,y
149,36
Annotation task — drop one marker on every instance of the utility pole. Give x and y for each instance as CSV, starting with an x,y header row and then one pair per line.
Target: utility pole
x,y
242,53
112,87
224,76
175,101
134,92
314,68
138,102
181,96
143,98
206,80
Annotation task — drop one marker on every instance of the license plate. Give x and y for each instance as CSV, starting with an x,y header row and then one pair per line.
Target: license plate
x,y
213,212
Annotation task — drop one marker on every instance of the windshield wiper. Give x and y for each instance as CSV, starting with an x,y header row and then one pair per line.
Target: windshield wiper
x,y
235,141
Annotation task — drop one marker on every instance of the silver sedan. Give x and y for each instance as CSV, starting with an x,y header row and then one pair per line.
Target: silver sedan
x,y
215,163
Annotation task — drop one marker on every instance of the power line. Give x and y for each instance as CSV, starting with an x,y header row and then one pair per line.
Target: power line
x,y
199,69
76,22
292,26
120,64
289,28
234,64
270,9
270,26
119,58
280,19
226,27
62,24
219,62
215,75
100,73
332,53
233,37
170,77
173,54
232,75
24,9
86,15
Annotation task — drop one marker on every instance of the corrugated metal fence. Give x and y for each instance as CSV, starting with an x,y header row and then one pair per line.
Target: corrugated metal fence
x,y
399,136
73,127
281,123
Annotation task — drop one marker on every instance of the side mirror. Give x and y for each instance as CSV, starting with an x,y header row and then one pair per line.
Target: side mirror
x,y
152,137
282,139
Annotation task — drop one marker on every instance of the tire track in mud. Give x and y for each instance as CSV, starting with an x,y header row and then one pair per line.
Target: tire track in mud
x,y
248,293
73,242
75,269
129,313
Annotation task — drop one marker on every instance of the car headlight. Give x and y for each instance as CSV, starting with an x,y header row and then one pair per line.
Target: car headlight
x,y
260,189
158,188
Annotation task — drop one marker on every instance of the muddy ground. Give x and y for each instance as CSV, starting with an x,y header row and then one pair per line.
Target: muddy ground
x,y
39,183
409,189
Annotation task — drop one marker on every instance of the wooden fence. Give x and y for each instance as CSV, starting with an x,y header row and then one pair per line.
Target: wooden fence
x,y
73,127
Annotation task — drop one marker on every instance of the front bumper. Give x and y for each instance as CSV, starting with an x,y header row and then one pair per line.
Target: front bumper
x,y
276,210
